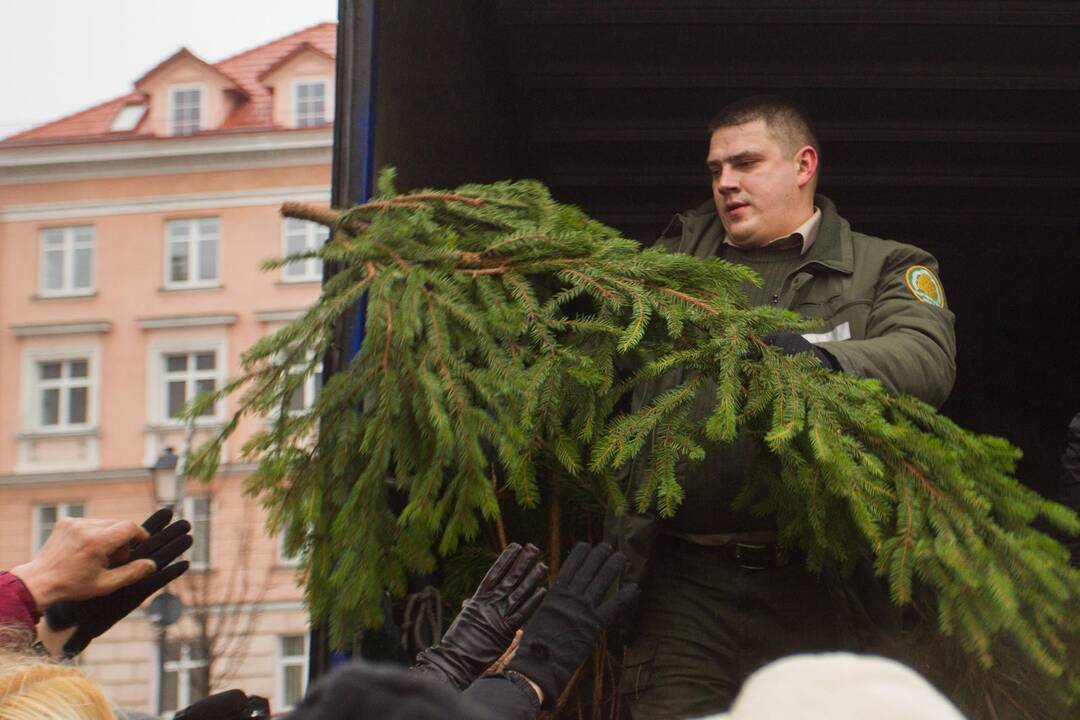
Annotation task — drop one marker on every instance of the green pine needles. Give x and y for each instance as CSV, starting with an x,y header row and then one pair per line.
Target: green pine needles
x,y
505,331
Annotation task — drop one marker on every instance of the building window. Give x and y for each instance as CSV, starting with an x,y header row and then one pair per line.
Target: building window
x,y
197,512
186,676
304,395
292,669
308,387
67,256
186,375
45,517
191,252
186,110
62,394
300,236
283,556
309,103
128,118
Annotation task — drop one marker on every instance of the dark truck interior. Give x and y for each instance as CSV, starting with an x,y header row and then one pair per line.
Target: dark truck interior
x,y
952,125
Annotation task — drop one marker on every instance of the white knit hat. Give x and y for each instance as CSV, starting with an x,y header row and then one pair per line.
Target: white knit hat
x,y
838,686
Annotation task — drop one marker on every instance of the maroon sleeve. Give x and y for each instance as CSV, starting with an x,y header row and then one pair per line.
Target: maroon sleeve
x,y
17,606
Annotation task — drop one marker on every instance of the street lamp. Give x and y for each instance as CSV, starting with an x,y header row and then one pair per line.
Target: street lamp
x,y
167,488
164,610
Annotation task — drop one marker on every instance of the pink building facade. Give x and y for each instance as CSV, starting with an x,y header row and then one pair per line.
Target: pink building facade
x,y
130,241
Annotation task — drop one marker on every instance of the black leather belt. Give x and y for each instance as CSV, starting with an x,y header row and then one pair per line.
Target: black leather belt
x,y
743,554
754,556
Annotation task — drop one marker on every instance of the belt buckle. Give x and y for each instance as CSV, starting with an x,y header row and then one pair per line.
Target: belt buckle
x,y
742,550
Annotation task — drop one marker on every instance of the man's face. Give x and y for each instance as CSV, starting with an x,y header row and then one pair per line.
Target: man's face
x,y
757,184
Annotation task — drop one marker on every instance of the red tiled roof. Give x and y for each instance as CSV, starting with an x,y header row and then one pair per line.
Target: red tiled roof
x,y
243,69
298,50
95,121
185,53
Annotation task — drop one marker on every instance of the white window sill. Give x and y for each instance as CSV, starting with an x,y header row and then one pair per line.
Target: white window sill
x,y
274,416
43,468
299,280
64,295
193,286
59,432
210,423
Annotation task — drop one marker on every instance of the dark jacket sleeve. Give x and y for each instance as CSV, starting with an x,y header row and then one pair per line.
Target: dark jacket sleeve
x,y
500,697
910,345
17,606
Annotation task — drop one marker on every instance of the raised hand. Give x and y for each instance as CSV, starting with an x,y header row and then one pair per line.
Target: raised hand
x,y
505,599
92,617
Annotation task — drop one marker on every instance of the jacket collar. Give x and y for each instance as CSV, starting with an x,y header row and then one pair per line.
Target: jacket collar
x,y
702,234
833,248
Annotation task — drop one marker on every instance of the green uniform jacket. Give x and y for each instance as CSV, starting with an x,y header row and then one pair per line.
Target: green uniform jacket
x,y
884,316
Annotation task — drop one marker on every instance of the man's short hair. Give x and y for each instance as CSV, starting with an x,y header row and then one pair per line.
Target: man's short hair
x,y
786,120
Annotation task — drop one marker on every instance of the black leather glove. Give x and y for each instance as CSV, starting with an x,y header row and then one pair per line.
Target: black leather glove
x,y
96,615
505,599
566,625
228,705
790,342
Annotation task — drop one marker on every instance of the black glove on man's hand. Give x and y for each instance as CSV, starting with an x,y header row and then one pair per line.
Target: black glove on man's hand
x,y
505,599
228,705
790,342
566,625
96,615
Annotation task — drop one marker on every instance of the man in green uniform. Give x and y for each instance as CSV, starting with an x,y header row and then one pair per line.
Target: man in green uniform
x,y
720,599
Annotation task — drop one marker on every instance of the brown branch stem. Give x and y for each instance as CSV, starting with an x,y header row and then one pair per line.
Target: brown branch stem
x,y
697,302
438,196
389,338
323,216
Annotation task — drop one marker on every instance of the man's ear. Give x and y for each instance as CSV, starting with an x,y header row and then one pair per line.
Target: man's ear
x,y
806,161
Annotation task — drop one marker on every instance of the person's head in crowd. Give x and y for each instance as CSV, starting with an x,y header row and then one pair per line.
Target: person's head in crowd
x,y
365,690
838,686
33,687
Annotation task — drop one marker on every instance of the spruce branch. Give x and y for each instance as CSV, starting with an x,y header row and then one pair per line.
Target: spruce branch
x,y
504,333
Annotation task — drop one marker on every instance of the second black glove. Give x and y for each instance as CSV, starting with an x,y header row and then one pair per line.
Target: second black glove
x,y
505,599
568,622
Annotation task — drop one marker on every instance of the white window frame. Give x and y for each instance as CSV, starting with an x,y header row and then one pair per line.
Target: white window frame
x,y
194,243
32,385
284,661
182,668
63,510
315,236
309,387
328,99
67,275
157,396
189,515
283,557
203,98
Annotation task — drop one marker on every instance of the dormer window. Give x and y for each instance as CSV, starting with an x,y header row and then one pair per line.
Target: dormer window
x,y
309,103
187,105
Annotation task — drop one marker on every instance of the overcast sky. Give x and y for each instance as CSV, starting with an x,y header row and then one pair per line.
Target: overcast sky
x,y
61,56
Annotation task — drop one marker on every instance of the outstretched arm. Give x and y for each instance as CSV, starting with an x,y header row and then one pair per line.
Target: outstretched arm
x,y
910,343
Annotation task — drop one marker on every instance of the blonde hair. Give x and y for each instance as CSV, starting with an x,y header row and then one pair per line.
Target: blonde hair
x,y
33,687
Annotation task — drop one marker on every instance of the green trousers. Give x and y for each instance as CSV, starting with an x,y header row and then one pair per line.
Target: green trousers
x,y
704,624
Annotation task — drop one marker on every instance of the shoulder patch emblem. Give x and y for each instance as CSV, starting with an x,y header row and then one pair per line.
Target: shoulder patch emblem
x,y
924,285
